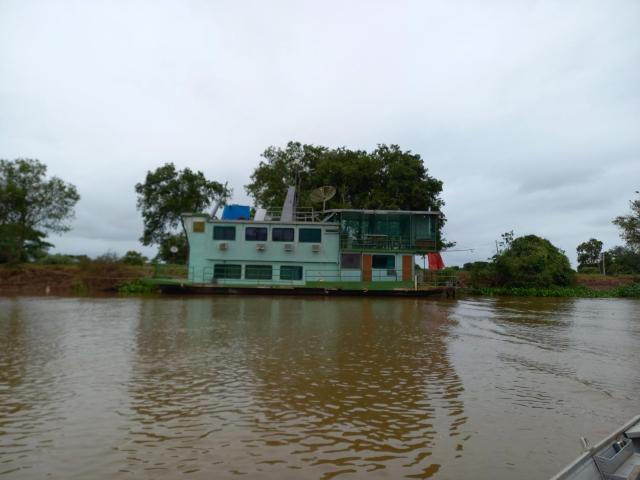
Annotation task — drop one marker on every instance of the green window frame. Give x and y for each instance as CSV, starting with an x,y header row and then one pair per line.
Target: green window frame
x,y
282,234
258,272
383,261
290,272
226,270
224,233
310,235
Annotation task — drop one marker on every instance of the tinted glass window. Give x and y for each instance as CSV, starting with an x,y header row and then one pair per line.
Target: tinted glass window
x,y
224,233
257,272
282,234
290,272
255,234
310,235
224,270
350,260
383,261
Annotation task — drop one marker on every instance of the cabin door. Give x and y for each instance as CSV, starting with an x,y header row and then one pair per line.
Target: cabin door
x,y
367,262
407,264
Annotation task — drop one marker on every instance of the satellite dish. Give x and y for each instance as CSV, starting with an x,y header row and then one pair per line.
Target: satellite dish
x,y
322,194
174,249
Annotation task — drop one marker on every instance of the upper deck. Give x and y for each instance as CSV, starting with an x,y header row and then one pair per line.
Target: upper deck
x,y
360,230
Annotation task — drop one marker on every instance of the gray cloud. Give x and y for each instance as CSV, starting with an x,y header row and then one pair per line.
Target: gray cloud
x,y
529,111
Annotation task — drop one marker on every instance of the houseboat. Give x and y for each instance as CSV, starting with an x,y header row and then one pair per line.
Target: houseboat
x,y
291,250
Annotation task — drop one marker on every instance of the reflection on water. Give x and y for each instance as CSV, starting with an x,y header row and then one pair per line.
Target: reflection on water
x,y
309,388
270,387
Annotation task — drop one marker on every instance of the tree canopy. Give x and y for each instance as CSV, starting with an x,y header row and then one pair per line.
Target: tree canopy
x,y
531,261
31,206
589,253
166,194
386,178
629,226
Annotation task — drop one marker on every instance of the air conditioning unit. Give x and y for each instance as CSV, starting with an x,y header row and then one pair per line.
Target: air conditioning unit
x,y
288,247
261,247
223,246
315,248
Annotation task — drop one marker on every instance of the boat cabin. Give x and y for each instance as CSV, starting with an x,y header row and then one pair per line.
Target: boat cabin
x,y
308,248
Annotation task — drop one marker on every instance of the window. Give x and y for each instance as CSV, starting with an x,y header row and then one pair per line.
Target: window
x,y
198,227
350,260
290,272
224,233
310,235
383,261
282,234
224,270
258,272
255,234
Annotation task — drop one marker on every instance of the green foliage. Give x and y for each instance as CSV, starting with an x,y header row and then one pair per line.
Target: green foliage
x,y
589,254
108,257
167,193
178,240
481,273
386,178
58,259
629,226
19,243
138,286
531,261
31,206
134,258
589,270
630,291
80,287
622,260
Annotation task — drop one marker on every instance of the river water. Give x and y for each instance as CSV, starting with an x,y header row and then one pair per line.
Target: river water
x,y
279,388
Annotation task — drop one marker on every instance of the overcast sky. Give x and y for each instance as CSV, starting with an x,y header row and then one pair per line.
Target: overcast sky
x,y
529,111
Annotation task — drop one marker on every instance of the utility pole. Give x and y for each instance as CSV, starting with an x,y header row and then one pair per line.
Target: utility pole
x,y
604,270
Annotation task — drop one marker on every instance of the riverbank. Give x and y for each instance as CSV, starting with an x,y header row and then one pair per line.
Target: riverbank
x,y
626,291
92,277
586,286
95,277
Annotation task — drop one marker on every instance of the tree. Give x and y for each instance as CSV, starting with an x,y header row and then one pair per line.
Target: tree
x,y
589,253
385,178
133,258
622,260
30,207
166,194
179,241
630,226
531,261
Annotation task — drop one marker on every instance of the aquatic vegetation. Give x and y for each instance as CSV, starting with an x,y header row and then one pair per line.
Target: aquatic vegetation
x,y
631,291
138,286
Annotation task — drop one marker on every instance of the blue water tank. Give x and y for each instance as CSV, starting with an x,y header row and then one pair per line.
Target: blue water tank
x,y
236,212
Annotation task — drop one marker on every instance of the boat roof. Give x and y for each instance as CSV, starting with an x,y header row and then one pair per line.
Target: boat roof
x,y
384,212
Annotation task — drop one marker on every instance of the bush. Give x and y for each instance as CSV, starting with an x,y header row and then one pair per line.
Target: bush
x,y
482,274
531,261
137,286
58,259
589,270
134,258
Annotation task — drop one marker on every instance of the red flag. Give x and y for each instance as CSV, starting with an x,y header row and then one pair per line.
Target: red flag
x,y
435,261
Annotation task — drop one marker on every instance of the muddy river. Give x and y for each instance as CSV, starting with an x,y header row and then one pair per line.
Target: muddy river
x,y
305,388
